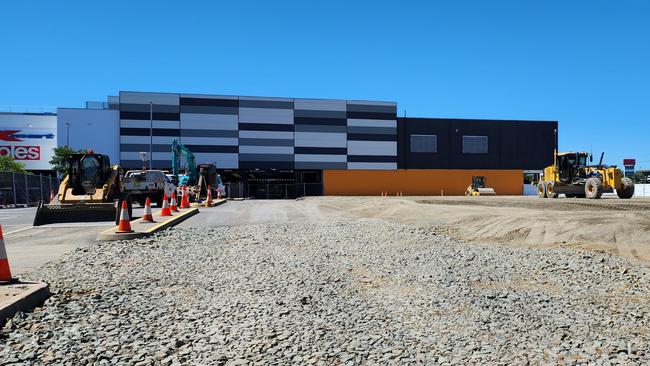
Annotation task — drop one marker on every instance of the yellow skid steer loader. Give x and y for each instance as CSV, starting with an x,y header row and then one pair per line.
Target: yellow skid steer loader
x,y
91,191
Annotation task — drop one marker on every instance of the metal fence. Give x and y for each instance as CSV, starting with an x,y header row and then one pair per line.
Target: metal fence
x,y
25,189
273,190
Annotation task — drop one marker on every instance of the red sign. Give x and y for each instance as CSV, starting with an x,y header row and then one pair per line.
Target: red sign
x,y
7,135
629,162
21,152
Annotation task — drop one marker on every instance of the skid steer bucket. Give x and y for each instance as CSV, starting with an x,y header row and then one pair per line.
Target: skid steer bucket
x,y
74,212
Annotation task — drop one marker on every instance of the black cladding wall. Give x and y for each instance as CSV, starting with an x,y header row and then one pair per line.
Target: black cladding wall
x,y
526,145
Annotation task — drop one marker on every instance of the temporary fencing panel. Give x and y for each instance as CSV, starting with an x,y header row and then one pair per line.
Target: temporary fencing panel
x,y
25,189
273,190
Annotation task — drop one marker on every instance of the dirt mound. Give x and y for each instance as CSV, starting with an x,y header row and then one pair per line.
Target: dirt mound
x,y
613,225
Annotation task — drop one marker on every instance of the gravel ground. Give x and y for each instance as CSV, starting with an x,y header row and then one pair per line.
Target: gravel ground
x,y
350,292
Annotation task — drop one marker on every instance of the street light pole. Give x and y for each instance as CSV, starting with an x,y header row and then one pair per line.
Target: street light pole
x,y
67,134
150,135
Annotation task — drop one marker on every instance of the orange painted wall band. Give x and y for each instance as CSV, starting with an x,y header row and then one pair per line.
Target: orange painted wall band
x,y
418,182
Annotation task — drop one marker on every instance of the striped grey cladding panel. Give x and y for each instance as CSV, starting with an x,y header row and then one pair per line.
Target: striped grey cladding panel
x,y
148,118
265,115
265,157
210,128
209,121
315,158
266,142
372,135
320,165
320,134
266,136
288,135
206,109
320,105
137,164
320,128
209,133
320,139
221,160
265,103
146,98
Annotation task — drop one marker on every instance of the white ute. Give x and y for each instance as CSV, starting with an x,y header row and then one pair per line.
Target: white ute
x,y
140,184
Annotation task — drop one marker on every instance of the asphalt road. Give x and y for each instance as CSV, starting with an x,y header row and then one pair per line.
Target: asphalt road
x,y
29,247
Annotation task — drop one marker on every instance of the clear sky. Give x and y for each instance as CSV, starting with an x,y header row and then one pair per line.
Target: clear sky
x,y
585,63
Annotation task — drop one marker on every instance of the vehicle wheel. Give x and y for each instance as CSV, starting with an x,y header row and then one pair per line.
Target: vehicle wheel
x,y
550,190
541,190
593,188
159,201
627,189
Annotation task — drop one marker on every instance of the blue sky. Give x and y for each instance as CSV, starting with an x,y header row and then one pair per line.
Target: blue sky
x,y
583,63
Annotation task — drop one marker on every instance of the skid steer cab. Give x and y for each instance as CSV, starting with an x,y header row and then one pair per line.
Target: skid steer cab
x,y
478,188
573,175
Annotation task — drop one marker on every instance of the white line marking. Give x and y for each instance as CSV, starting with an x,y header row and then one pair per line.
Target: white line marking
x,y
19,230
61,226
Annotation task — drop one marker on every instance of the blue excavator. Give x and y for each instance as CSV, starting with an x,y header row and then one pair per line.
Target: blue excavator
x,y
179,150
197,177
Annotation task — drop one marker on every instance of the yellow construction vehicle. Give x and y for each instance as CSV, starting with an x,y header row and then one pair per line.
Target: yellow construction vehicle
x,y
572,175
91,191
478,188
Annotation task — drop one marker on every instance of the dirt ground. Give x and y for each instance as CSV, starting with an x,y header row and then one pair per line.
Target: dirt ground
x,y
618,226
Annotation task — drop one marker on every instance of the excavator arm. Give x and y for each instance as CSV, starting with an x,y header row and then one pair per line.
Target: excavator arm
x,y
179,150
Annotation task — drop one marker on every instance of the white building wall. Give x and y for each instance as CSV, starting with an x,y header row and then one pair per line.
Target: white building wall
x,y
97,129
30,138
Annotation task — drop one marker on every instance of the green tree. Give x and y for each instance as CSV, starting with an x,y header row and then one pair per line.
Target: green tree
x,y
640,177
8,164
60,160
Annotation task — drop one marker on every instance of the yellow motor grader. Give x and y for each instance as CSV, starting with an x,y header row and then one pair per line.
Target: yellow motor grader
x,y
91,191
572,175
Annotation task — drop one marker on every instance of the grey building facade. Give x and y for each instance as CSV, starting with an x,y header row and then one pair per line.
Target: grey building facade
x,y
258,133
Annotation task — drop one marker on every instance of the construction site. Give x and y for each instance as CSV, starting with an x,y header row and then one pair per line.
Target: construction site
x,y
418,245
230,230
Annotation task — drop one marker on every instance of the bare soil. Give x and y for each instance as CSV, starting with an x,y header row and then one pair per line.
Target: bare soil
x,y
610,224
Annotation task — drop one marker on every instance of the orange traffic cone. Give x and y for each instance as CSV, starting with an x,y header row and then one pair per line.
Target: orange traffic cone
x,y
185,200
5,273
125,221
148,216
51,196
208,199
218,193
166,210
174,205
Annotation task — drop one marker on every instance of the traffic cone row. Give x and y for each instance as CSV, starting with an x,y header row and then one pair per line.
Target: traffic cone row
x,y
5,273
148,216
124,225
